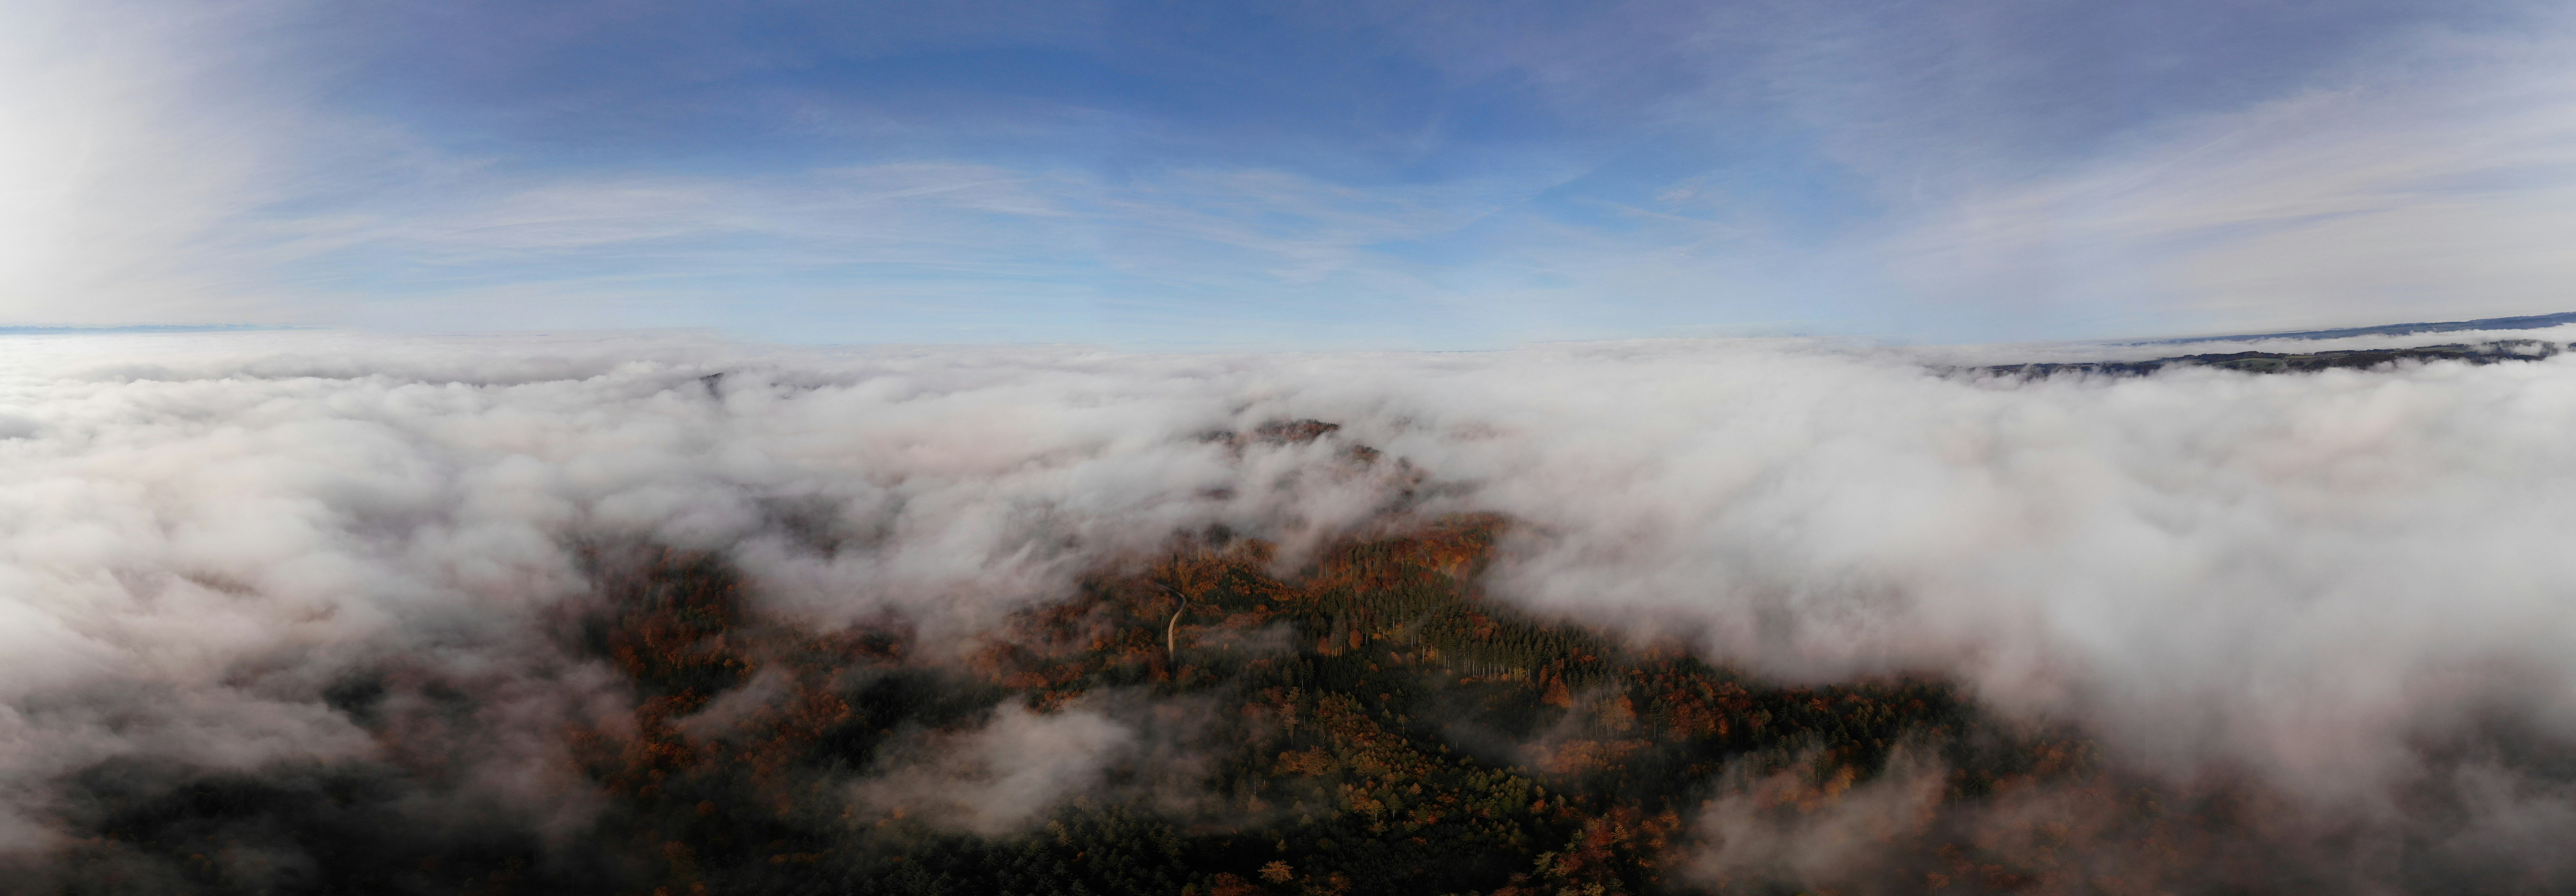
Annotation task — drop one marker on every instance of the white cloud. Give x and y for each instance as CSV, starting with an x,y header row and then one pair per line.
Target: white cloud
x,y
120,156
183,165
2427,182
2303,575
1002,775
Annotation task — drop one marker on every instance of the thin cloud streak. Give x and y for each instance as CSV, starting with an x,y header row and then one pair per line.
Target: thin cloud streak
x,y
2432,185
1716,168
119,166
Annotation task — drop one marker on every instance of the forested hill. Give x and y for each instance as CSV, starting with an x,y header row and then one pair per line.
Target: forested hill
x,y
1200,721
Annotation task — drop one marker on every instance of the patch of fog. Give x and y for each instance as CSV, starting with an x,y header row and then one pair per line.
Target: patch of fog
x,y
2305,576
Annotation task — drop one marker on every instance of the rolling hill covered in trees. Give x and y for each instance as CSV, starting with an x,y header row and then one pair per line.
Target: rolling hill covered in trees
x,y
1214,720
1369,726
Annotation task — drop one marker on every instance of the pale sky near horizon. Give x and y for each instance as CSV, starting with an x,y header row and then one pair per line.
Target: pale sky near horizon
x,y
1295,175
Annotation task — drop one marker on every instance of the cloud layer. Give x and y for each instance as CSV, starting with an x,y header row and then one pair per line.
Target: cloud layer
x,y
2320,580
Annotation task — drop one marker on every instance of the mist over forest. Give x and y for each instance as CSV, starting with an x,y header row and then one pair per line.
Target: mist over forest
x,y
1326,448
324,613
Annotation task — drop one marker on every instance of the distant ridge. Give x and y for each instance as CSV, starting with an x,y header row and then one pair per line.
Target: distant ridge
x,y
2528,322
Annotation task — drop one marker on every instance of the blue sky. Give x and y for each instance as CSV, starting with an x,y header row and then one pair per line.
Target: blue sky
x,y
1295,175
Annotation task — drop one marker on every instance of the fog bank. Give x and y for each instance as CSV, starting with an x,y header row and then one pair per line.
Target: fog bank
x,y
2320,580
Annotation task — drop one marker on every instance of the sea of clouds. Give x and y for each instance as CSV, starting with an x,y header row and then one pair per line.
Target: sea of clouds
x,y
2319,580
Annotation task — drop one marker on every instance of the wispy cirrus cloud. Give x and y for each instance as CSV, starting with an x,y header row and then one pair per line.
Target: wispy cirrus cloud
x,y
2436,180
1423,175
903,230
127,142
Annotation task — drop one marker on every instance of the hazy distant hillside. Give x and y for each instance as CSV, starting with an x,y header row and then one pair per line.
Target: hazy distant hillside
x,y
2289,362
